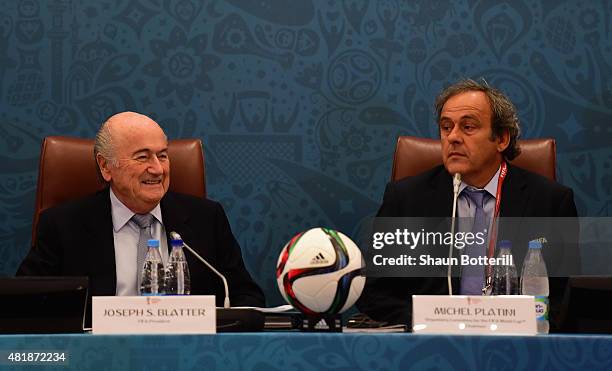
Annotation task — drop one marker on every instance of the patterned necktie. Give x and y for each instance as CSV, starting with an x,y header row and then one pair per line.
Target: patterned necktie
x,y
472,276
144,222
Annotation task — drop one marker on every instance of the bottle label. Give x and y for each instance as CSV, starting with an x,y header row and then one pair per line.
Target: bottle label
x,y
541,308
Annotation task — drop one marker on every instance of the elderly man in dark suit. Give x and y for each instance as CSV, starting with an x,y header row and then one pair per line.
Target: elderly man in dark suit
x,y
98,236
479,129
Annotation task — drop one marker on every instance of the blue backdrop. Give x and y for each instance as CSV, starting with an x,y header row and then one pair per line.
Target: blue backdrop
x,y
298,102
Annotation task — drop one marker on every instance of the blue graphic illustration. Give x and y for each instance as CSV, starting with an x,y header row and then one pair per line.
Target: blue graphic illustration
x,y
298,103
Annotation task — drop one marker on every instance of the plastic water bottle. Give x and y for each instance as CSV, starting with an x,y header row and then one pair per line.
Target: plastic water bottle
x,y
153,272
505,277
178,281
534,281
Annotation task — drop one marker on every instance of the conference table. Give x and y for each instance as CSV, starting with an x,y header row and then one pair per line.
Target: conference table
x,y
314,351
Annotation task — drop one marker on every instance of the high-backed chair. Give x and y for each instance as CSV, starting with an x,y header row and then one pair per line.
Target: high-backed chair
x,y
415,155
67,171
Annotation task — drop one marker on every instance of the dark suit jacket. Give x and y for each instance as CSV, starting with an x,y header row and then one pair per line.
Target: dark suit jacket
x,y
76,239
430,194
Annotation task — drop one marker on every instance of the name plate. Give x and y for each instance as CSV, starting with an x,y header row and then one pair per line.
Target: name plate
x,y
504,314
190,314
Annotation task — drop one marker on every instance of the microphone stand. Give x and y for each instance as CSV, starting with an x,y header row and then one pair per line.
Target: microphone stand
x,y
230,319
456,184
226,301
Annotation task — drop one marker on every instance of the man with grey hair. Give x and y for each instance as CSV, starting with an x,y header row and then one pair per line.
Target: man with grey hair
x,y
98,236
479,129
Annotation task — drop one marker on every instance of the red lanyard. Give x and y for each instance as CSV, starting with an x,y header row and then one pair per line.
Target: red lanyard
x,y
502,175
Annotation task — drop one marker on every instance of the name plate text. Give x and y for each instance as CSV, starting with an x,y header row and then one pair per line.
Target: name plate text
x,y
190,314
460,314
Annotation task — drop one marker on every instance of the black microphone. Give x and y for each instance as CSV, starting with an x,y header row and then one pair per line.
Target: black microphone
x,y
226,302
456,184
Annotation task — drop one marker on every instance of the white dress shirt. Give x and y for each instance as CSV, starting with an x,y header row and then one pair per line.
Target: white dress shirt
x,y
125,236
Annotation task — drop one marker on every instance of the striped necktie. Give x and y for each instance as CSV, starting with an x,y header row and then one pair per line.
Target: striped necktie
x,y
143,221
472,276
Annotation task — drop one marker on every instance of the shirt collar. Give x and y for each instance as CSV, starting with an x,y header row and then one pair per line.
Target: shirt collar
x,y
491,187
122,214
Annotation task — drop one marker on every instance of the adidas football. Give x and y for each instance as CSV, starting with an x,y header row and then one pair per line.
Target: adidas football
x,y
320,272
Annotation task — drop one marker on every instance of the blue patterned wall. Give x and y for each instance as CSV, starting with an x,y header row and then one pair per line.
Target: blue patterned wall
x,y
298,102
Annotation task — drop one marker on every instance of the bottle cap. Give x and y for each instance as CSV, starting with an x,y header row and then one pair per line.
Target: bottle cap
x,y
535,244
153,243
176,242
505,244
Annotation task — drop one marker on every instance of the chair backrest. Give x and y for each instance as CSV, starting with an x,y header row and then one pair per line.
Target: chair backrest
x,y
415,155
67,171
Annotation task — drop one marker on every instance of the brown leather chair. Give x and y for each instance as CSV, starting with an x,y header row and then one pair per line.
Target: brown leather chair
x,y
415,155
67,171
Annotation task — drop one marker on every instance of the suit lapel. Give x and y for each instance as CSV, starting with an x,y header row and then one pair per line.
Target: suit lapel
x,y
175,219
98,227
440,201
515,195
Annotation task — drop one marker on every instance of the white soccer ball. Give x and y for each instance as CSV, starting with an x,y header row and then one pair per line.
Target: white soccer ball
x,y
320,272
